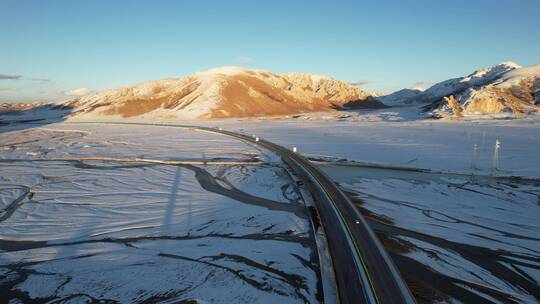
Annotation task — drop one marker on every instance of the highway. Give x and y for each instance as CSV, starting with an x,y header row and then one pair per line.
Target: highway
x,y
363,271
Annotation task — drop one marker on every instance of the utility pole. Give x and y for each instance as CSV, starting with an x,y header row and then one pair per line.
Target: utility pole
x,y
474,153
496,155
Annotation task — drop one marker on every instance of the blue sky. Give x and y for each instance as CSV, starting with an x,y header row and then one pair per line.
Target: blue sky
x,y
49,48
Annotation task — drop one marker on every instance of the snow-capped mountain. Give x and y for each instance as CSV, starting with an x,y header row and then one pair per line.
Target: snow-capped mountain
x,y
457,85
505,88
402,96
449,87
224,92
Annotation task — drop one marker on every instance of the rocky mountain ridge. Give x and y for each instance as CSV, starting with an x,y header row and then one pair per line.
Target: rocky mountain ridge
x,y
503,88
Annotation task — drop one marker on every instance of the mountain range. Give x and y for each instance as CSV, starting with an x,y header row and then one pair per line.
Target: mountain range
x,y
240,92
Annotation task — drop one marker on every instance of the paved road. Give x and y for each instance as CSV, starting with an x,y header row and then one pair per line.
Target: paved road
x,y
363,271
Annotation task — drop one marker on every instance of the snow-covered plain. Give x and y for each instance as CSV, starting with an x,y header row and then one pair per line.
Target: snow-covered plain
x,y
461,231
464,233
463,225
90,230
397,137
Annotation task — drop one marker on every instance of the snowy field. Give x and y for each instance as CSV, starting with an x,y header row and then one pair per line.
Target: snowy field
x,y
83,231
397,137
454,237
460,231
463,230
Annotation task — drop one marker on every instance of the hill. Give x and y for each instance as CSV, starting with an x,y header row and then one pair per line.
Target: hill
x,y
225,92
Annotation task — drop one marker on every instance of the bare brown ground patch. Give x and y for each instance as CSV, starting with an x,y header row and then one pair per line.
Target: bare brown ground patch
x,y
454,105
135,107
524,90
179,99
498,102
245,96
142,105
516,98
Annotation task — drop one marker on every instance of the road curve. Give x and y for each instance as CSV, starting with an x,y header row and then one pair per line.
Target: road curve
x,y
363,271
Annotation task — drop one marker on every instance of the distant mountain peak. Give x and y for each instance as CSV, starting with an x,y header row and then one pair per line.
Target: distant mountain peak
x,y
490,73
509,64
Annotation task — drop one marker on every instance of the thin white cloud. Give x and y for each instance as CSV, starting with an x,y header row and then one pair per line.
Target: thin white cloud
x,y
40,79
422,85
77,92
245,59
4,76
362,82
9,76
